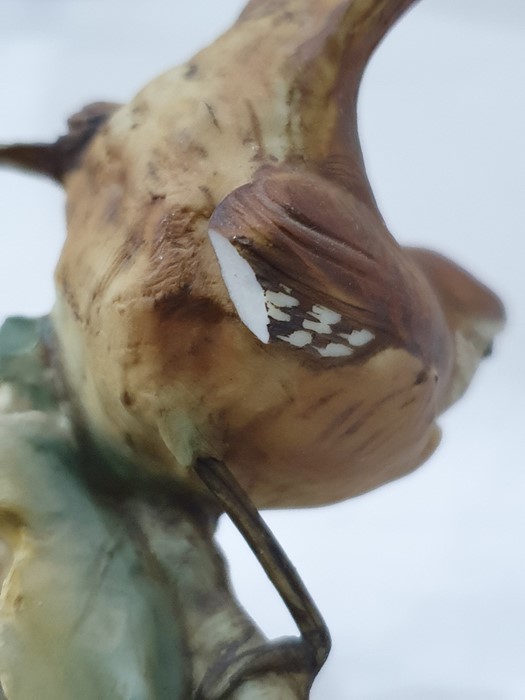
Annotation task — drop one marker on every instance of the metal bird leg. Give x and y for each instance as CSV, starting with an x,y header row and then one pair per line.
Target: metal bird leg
x,y
306,654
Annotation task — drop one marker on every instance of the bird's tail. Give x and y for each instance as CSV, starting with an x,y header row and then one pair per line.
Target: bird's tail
x,y
56,159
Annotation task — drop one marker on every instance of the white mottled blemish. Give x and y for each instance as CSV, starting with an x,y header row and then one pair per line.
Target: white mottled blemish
x,y
6,558
245,291
6,398
299,338
335,350
277,314
281,299
358,338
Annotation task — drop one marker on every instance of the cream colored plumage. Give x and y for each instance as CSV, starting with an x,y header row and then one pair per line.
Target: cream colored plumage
x,y
256,139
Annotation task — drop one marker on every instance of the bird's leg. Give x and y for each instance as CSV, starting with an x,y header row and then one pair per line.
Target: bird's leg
x,y
305,654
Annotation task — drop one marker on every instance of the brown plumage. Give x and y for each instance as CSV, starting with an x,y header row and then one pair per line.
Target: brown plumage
x,y
254,143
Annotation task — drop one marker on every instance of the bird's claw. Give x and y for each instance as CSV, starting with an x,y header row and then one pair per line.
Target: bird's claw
x,y
288,655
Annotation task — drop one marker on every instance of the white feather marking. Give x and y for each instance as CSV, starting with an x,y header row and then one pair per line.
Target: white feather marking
x,y
299,338
335,350
325,315
358,338
323,319
277,314
245,291
317,326
281,299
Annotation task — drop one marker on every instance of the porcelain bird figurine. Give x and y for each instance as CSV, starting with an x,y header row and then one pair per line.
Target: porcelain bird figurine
x,y
228,287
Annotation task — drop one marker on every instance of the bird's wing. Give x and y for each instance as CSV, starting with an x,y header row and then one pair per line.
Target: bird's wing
x,y
324,258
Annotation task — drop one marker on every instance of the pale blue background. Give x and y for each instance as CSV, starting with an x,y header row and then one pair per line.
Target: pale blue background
x,y
422,582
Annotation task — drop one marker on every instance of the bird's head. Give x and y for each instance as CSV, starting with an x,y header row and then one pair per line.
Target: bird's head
x,y
474,315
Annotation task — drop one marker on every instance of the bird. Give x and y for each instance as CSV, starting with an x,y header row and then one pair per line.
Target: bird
x,y
228,287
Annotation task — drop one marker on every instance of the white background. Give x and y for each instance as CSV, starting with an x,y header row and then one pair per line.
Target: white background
x,y
422,582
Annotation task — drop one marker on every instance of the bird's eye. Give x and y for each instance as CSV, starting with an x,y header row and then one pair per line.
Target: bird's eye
x,y
245,291
489,350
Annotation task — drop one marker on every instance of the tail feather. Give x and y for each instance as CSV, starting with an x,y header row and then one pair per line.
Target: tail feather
x,y
55,160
